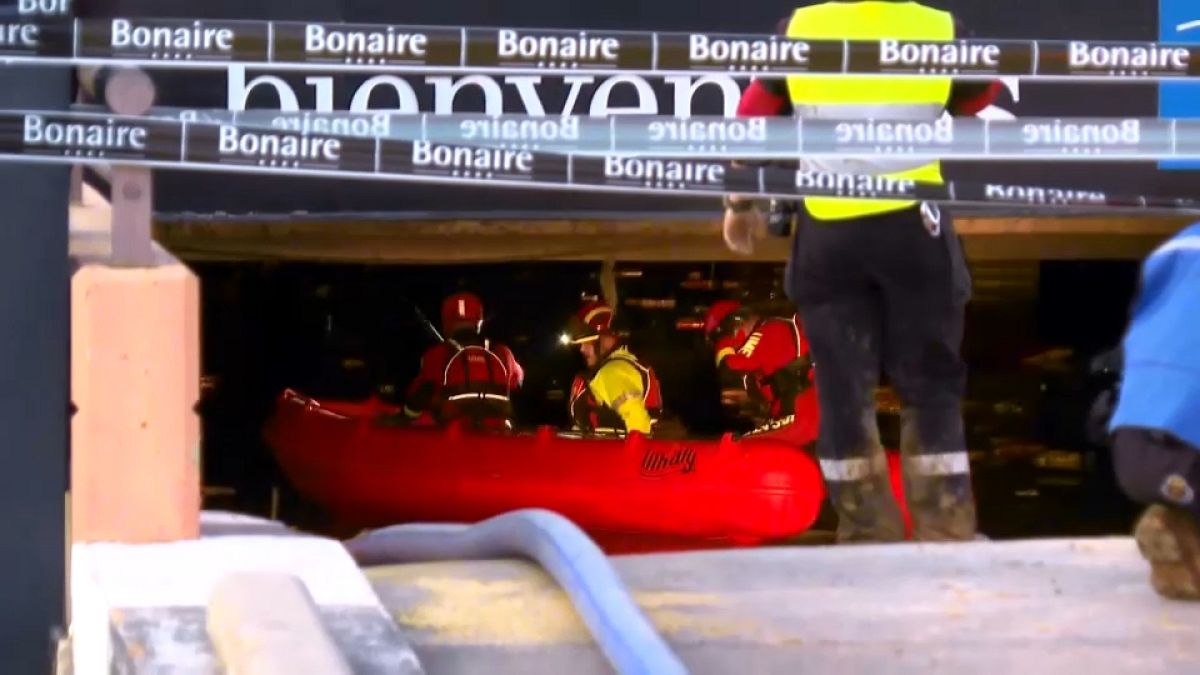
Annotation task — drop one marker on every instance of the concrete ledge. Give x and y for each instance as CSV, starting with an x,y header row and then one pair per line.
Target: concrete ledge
x,y
268,624
146,606
1045,606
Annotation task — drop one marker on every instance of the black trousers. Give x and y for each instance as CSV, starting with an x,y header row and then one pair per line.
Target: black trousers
x,y
1153,467
888,291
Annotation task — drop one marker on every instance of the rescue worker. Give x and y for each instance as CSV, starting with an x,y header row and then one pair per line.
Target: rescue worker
x,y
617,394
466,376
1155,425
878,282
767,358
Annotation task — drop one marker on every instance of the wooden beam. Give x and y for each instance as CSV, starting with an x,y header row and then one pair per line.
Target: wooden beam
x,y
478,241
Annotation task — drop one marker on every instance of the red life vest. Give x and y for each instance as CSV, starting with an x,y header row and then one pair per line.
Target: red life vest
x,y
475,385
790,397
785,385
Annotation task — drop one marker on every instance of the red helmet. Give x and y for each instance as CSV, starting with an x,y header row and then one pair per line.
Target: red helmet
x,y
590,322
720,315
462,309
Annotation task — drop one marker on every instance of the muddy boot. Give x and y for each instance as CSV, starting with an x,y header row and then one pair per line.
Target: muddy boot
x,y
1169,540
866,509
942,508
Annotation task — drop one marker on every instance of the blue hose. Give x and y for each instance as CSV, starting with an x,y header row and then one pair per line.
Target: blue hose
x,y
623,632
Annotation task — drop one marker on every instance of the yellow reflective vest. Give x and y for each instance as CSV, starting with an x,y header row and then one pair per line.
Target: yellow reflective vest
x,y
915,98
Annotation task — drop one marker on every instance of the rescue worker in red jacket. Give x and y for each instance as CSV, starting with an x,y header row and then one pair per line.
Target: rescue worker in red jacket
x,y
617,394
466,376
767,358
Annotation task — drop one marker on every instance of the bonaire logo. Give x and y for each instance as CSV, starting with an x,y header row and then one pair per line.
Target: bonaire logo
x,y
1179,23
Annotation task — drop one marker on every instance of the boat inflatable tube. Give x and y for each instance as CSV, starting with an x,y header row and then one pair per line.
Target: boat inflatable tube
x,y
368,473
622,631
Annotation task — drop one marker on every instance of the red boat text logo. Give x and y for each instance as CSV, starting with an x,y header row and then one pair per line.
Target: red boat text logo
x,y
660,463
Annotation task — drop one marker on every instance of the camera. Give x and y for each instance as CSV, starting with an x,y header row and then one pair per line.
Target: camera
x,y
781,217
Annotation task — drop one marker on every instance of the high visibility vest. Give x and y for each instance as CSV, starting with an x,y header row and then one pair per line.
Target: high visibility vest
x,y
916,98
589,414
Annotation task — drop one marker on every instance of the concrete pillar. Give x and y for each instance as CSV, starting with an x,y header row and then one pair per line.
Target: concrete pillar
x,y
135,366
135,380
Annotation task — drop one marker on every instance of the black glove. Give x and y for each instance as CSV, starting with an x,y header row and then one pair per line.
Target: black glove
x,y
781,217
1108,363
1096,427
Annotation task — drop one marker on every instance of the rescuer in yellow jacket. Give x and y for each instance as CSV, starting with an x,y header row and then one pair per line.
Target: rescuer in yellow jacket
x,y
878,282
618,393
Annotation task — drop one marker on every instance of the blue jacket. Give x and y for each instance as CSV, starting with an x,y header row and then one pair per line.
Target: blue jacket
x,y
1160,382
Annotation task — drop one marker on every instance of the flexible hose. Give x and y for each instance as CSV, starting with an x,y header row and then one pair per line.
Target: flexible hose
x,y
623,632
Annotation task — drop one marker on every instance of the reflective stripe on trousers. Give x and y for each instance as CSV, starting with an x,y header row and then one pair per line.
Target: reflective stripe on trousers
x,y
859,468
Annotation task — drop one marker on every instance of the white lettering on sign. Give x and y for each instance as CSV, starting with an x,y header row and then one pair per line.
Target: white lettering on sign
x,y
702,48
1086,55
462,158
752,130
19,35
511,44
357,125
83,137
1041,195
938,54
586,95
275,149
1125,132
44,7
566,128
319,39
197,37
939,132
853,184
664,171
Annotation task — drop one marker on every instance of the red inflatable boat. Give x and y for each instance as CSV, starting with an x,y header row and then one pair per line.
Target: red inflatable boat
x,y
632,494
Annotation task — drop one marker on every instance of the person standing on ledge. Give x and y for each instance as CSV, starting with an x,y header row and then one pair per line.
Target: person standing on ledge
x,y
878,282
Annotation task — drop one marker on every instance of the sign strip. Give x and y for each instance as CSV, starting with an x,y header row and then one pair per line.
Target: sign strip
x,y
171,144
750,138
53,39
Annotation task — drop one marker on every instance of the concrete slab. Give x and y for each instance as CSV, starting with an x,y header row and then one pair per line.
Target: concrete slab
x,y
267,624
1039,606
143,608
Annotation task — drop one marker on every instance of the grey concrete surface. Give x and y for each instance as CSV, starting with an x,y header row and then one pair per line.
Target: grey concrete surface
x,y
156,599
175,640
267,624
1039,606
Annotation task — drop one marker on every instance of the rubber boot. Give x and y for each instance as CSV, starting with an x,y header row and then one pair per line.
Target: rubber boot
x,y
1169,539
